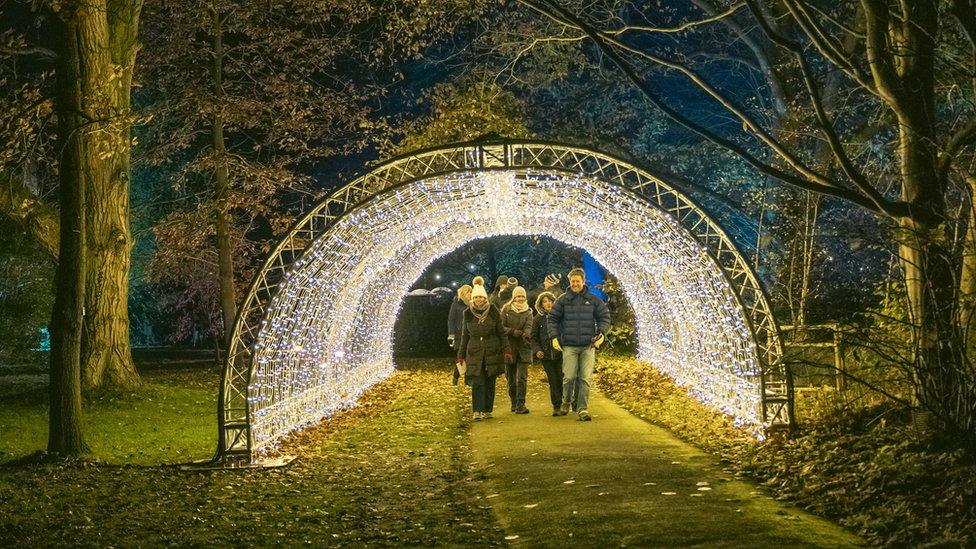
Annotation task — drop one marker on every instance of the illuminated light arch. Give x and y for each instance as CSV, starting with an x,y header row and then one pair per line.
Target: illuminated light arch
x,y
315,329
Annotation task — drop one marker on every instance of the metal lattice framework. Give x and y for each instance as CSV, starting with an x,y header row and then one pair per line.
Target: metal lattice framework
x,y
254,410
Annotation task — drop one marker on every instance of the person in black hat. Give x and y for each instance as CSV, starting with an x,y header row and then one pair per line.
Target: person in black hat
x,y
496,297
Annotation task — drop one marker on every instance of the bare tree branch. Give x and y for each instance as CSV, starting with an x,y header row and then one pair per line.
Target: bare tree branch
x,y
563,17
37,217
680,28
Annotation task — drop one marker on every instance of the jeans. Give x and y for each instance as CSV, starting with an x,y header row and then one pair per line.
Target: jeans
x,y
518,378
483,392
577,372
554,373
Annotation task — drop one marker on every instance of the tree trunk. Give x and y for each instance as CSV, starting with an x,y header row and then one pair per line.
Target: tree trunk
x,y
225,257
967,276
108,32
939,358
945,402
810,213
65,435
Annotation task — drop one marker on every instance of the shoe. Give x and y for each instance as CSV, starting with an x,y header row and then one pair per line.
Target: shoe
x,y
476,416
522,410
584,416
564,409
556,412
487,415
514,409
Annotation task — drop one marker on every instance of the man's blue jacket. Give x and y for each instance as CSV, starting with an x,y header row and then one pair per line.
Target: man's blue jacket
x,y
576,318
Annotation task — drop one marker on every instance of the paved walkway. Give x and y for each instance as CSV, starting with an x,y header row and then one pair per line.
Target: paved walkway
x,y
619,481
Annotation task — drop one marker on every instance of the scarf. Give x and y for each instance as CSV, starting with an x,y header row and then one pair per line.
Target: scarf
x,y
517,307
482,314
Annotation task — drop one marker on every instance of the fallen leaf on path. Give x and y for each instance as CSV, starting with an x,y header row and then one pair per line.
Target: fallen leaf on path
x,y
702,483
511,537
570,481
593,485
704,488
650,484
531,505
669,493
489,496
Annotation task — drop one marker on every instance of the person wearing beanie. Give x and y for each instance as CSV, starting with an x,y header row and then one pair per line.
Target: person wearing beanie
x,y
496,299
461,302
578,324
483,351
517,322
542,349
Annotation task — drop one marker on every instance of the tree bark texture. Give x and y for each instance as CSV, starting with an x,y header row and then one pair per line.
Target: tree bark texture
x,y
107,38
65,435
225,257
967,277
925,250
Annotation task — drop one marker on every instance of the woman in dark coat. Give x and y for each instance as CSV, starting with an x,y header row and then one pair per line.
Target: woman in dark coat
x,y
460,304
552,360
483,352
517,321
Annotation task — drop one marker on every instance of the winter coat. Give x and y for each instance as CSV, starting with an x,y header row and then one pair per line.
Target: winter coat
x,y
483,342
521,345
454,320
541,339
577,318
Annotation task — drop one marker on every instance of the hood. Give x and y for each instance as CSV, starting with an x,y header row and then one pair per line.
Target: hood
x,y
538,302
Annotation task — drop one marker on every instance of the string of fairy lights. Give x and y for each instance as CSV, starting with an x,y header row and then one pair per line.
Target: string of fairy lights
x,y
328,333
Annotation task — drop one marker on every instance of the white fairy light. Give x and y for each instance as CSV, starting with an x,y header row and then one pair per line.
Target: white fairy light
x,y
328,333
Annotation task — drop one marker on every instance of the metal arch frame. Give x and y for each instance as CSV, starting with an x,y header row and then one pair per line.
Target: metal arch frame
x,y
233,408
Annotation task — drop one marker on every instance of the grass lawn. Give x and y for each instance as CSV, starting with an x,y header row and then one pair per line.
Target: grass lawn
x,y
172,420
391,471
405,467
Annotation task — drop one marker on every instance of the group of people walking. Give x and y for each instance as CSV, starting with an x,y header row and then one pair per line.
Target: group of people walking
x,y
500,333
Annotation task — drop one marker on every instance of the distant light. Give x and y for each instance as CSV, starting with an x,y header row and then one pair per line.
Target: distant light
x,y
437,277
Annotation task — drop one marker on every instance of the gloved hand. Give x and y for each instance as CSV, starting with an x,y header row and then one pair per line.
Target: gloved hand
x,y
517,333
598,340
555,344
540,354
459,361
508,358
450,340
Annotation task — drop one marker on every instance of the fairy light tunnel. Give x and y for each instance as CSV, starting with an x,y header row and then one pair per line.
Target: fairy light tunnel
x,y
316,328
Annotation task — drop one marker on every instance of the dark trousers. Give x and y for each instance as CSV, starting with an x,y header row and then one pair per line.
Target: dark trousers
x,y
554,374
483,392
518,378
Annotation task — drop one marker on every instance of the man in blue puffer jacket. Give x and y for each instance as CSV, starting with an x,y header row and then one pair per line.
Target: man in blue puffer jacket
x,y
579,322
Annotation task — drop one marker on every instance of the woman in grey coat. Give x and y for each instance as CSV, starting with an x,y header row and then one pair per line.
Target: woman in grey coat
x,y
517,322
483,351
